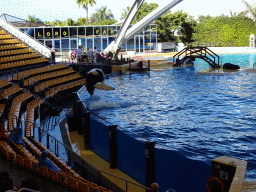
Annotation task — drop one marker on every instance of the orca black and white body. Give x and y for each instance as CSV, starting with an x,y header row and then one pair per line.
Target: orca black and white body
x,y
95,79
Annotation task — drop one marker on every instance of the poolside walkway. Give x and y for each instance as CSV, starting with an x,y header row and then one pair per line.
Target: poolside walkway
x,y
77,142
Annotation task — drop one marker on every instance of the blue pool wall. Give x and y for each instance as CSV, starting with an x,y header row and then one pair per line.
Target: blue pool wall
x,y
99,137
131,157
130,152
173,170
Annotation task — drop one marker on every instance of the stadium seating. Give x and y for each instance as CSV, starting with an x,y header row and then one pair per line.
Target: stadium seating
x,y
14,55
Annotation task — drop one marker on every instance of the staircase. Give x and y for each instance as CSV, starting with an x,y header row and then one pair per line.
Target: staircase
x,y
31,42
197,52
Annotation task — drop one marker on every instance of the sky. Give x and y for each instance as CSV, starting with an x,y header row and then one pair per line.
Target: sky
x,y
63,9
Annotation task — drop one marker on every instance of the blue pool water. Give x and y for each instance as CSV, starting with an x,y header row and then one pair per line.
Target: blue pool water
x,y
203,116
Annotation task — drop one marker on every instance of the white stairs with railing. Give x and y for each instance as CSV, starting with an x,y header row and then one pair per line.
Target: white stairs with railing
x,y
30,41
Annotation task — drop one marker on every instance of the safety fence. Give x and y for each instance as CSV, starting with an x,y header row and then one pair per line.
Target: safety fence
x,y
170,168
78,163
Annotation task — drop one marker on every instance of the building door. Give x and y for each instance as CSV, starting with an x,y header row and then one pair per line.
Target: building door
x,y
139,44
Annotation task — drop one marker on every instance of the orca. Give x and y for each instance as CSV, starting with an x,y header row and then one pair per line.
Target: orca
x,y
95,79
230,66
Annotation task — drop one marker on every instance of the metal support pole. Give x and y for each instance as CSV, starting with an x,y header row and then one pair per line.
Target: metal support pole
x,y
48,142
39,135
57,149
87,130
150,163
99,178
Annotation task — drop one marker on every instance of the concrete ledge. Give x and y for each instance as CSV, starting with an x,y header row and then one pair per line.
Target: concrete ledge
x,y
237,183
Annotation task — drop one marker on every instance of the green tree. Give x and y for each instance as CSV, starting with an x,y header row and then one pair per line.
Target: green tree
x,y
225,31
125,12
169,22
70,22
85,4
34,19
250,9
144,10
82,21
105,22
102,14
94,18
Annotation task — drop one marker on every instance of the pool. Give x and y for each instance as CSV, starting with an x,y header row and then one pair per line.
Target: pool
x,y
202,116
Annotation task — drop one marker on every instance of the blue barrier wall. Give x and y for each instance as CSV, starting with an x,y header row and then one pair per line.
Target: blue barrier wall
x,y
131,157
175,171
99,137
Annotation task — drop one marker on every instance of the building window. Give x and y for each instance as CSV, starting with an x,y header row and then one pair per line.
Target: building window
x,y
97,31
73,32
65,45
89,31
48,33
112,31
56,33
64,33
39,33
81,32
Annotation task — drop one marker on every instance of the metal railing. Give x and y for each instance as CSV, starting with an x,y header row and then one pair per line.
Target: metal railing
x,y
41,48
65,153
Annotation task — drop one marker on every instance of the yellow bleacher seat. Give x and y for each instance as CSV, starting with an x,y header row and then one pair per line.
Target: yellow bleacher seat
x,y
95,188
44,171
63,179
36,167
28,164
83,187
53,175
102,189
73,184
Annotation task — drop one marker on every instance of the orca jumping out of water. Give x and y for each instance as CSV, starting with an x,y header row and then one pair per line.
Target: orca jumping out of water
x,y
95,79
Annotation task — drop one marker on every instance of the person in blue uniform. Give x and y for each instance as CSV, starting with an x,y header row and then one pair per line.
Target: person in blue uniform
x,y
46,162
16,136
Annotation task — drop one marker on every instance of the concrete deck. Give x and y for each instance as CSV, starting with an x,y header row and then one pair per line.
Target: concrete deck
x,y
77,142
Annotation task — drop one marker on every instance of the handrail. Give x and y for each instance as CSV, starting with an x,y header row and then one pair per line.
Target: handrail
x,y
180,53
97,169
15,117
214,54
93,166
26,38
205,49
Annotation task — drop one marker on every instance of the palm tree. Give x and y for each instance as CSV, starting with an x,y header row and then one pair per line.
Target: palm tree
x,y
85,4
125,12
34,19
81,21
70,22
95,17
104,13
